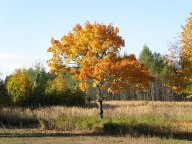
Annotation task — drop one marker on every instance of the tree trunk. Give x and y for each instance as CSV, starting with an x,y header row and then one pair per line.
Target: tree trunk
x,y
100,100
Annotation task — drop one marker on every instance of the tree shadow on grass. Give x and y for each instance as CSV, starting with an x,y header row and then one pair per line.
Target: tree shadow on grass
x,y
146,130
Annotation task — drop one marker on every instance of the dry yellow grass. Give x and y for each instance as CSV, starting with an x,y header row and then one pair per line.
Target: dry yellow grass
x,y
111,108
65,130
179,112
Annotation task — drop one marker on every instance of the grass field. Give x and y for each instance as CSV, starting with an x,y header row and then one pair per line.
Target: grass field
x,y
88,140
36,136
124,121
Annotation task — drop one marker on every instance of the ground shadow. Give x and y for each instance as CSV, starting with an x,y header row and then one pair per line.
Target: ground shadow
x,y
146,130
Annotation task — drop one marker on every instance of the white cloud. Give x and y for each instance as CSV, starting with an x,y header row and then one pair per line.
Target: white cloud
x,y
10,61
10,56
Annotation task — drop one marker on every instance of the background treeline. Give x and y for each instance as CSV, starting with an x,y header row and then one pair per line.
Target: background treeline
x,y
158,90
34,86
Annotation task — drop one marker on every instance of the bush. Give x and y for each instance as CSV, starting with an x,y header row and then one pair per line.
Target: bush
x,y
68,98
74,98
57,93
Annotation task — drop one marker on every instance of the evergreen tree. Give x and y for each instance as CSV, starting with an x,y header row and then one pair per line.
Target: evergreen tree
x,y
38,77
157,68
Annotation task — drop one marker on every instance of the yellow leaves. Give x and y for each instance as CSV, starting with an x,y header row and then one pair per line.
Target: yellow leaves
x,y
95,83
59,83
83,86
57,86
186,59
18,86
186,42
183,57
77,28
175,88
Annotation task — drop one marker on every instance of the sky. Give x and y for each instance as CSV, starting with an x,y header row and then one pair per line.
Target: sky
x,y
27,26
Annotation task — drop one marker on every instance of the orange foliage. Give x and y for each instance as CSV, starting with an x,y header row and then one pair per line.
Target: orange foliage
x,y
94,50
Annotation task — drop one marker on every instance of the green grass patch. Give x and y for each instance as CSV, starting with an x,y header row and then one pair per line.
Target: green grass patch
x,y
67,123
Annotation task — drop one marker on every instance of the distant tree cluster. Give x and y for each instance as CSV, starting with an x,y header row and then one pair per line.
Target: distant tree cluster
x,y
34,87
158,68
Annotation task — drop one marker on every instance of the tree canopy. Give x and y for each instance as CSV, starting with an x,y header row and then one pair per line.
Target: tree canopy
x,y
181,61
94,50
19,87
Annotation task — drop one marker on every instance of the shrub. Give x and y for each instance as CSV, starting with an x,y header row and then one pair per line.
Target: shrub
x,y
58,93
74,98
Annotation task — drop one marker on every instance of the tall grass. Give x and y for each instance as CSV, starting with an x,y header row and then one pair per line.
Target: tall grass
x,y
135,117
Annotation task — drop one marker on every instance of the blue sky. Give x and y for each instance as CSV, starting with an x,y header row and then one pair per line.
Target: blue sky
x,y
26,26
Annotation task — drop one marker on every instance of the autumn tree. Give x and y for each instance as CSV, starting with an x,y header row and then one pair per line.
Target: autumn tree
x,y
19,87
181,61
186,58
94,48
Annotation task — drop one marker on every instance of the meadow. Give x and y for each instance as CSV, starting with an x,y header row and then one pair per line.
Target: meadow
x,y
172,120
